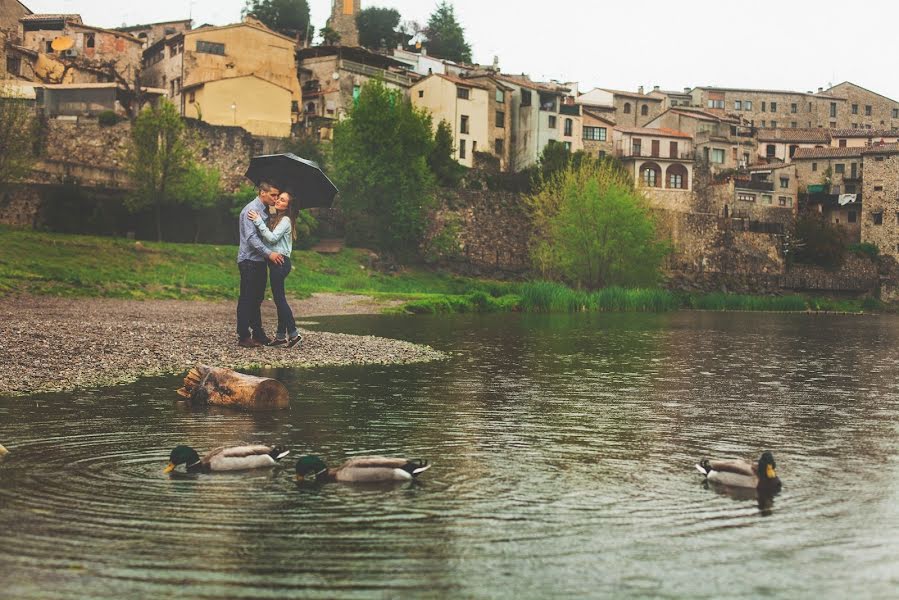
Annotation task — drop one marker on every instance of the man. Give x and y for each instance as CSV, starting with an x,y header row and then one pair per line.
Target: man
x,y
251,261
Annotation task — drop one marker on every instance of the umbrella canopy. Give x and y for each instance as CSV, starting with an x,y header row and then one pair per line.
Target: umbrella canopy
x,y
303,178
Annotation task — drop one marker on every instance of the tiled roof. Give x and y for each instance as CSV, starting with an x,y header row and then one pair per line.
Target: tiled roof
x,y
881,149
52,17
762,91
864,133
812,136
703,114
657,132
526,82
630,94
829,152
458,80
769,167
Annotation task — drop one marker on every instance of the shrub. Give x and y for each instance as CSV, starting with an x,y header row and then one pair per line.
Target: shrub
x,y
107,118
865,249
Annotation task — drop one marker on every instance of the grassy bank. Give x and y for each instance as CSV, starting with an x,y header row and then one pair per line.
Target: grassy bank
x,y
71,265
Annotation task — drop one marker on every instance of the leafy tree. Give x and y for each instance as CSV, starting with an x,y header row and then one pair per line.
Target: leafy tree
x,y
162,164
380,157
819,242
378,27
18,126
555,158
309,147
593,230
446,37
289,17
445,168
330,37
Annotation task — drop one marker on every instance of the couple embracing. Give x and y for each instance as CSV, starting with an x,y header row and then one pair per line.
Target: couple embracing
x,y
266,240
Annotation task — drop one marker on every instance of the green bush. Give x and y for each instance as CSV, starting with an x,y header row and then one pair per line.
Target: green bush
x,y
866,249
107,118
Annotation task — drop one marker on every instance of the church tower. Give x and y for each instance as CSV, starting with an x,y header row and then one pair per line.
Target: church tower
x,y
343,20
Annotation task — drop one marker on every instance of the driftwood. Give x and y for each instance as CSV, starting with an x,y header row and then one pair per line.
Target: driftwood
x,y
224,387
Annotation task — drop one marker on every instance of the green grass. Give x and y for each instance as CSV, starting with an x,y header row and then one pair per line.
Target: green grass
x,y
74,265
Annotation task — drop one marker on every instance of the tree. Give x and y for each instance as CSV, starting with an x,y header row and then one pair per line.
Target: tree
x,y
289,17
330,37
17,134
446,38
309,147
445,168
380,165
819,242
162,164
594,230
554,158
378,27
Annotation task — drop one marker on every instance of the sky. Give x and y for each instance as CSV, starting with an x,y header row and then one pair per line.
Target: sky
x,y
796,45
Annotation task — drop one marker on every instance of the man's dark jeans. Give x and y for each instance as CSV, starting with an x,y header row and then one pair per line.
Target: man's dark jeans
x,y
252,293
286,323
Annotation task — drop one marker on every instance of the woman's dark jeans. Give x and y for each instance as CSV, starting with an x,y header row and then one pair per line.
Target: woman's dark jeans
x,y
277,275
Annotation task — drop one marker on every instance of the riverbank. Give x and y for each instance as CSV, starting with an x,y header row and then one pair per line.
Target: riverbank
x,y
50,344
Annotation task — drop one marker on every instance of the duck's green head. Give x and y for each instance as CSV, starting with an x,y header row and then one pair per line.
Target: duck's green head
x,y
181,455
310,467
767,466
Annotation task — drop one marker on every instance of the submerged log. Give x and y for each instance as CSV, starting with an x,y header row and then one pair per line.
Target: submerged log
x,y
224,387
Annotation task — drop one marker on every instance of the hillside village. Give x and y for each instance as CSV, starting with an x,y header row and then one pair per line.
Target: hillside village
x,y
726,168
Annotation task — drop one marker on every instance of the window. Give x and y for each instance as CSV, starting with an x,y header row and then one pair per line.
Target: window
x,y
814,166
49,47
89,41
841,143
13,65
716,103
851,216
474,146
839,168
878,188
498,146
770,151
192,97
525,97
785,201
463,125
747,104
717,155
654,148
743,197
794,107
601,154
597,134
463,93
567,146
672,149
774,107
878,159
552,121
627,108
210,48
784,182
867,111
763,108
793,149
636,145
855,109
896,113
763,123
175,86
500,96
767,199
650,174
644,110
738,105
569,127
462,148
877,217
833,109
773,124
793,124
421,93
500,119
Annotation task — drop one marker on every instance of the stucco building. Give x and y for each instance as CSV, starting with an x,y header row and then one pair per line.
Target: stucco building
x,y
779,145
658,158
597,134
240,75
501,98
720,140
462,103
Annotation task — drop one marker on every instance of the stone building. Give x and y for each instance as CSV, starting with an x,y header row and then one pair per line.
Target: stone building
x,y
766,193
837,170
151,33
776,108
464,104
501,98
597,134
631,109
331,78
672,98
10,13
867,109
343,20
880,217
659,160
779,145
242,74
721,141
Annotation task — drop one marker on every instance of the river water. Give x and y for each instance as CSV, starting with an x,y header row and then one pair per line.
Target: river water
x,y
562,449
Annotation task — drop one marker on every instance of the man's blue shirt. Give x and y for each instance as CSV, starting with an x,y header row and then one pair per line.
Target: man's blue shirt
x,y
251,246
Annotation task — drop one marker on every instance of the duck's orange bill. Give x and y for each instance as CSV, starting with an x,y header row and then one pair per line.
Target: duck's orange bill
x,y
769,471
169,468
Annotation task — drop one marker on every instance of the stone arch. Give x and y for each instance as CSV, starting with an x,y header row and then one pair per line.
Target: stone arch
x,y
651,174
677,177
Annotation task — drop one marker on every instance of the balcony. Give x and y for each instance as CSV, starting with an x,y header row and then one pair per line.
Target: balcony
x,y
759,186
644,153
368,71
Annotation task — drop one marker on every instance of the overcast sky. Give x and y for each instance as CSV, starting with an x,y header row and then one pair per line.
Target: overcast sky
x,y
790,44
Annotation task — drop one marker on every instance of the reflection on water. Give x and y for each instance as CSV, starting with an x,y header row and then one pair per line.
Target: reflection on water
x,y
563,451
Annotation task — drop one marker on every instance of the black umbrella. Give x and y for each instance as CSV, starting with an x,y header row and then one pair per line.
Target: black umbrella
x,y
303,178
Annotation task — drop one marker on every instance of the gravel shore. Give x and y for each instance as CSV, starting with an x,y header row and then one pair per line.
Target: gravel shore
x,y
57,344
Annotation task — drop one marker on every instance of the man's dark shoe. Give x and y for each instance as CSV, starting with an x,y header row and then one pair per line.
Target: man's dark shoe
x,y
248,343
263,341
277,342
294,341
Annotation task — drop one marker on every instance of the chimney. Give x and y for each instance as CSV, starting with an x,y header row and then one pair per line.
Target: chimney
x,y
686,90
640,90
821,89
655,88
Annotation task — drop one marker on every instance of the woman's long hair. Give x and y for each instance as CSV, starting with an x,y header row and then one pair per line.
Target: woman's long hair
x,y
287,214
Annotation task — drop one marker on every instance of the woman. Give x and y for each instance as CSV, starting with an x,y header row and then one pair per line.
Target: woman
x,y
278,236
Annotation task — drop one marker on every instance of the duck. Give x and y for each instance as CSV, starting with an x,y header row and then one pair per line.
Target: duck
x,y
361,469
233,458
761,476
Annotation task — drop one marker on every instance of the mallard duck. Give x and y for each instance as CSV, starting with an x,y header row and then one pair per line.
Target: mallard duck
x,y
362,469
742,474
235,458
